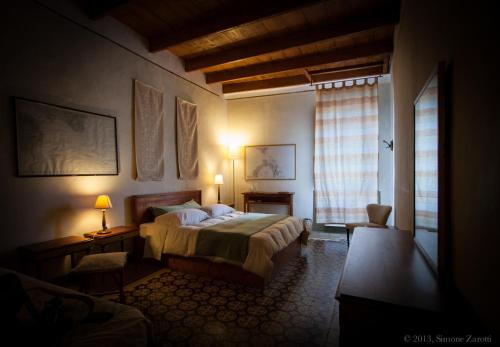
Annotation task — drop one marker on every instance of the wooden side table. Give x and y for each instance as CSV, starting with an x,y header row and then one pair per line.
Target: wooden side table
x,y
116,234
274,198
40,252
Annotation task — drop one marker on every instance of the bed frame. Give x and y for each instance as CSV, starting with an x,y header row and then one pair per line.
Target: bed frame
x,y
201,266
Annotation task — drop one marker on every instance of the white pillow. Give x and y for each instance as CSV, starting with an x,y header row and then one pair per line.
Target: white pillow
x,y
217,210
185,216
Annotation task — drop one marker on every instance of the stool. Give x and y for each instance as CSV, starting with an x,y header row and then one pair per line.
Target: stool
x,y
102,263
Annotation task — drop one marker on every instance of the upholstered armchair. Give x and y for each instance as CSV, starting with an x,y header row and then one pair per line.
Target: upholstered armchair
x,y
377,217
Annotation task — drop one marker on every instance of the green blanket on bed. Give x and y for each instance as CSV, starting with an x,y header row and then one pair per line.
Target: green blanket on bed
x,y
229,240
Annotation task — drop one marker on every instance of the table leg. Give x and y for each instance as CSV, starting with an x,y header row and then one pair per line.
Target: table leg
x,y
347,233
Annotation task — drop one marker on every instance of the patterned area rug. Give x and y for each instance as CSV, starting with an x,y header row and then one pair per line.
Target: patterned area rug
x,y
298,308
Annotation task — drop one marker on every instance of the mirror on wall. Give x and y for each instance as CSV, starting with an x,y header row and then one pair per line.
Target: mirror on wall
x,y
429,185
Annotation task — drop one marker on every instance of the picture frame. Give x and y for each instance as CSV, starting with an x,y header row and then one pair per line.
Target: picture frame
x,y
54,140
270,162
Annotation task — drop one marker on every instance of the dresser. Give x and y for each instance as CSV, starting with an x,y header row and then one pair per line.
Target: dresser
x,y
273,198
387,294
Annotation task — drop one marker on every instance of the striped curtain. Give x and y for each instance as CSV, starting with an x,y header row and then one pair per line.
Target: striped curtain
x,y
345,152
426,159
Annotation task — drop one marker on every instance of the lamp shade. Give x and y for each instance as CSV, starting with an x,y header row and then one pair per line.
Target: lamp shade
x,y
233,152
103,202
219,179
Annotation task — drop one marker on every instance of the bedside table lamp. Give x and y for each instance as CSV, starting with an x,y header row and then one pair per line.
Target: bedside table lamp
x,y
219,179
103,203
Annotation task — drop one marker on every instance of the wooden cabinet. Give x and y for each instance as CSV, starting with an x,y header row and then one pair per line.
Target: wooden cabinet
x,y
273,198
387,292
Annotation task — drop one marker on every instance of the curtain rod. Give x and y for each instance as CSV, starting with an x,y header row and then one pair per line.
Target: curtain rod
x,y
346,80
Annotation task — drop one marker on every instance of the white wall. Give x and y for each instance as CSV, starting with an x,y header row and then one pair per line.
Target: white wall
x,y
277,119
289,118
386,156
51,58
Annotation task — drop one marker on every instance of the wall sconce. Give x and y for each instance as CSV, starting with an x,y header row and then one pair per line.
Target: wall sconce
x,y
389,145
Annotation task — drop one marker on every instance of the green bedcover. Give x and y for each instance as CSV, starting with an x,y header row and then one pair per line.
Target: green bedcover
x,y
229,240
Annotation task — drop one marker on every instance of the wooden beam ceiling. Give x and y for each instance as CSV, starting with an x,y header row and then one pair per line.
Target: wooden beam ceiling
x,y
288,40
342,74
332,56
265,84
226,18
310,77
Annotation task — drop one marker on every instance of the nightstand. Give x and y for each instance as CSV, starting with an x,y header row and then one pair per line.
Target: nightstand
x,y
116,234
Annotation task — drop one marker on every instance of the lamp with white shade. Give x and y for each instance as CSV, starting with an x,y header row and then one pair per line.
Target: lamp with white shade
x,y
233,153
218,180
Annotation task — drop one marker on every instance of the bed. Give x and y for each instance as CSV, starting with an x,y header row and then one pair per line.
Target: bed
x,y
282,237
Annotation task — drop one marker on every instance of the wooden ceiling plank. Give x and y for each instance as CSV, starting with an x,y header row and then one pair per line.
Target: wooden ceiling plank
x,y
333,56
230,17
265,84
285,41
346,74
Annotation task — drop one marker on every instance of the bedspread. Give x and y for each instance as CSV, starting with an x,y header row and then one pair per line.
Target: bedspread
x,y
165,235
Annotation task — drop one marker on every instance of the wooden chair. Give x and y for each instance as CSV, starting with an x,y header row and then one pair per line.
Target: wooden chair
x,y
377,217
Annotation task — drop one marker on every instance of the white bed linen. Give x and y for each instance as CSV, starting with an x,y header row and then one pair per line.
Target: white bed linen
x,y
165,235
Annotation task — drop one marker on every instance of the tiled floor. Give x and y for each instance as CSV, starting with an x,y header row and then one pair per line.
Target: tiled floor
x,y
321,235
297,308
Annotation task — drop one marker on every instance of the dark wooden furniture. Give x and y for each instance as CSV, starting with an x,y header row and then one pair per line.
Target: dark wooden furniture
x,y
116,234
387,292
274,198
201,266
43,251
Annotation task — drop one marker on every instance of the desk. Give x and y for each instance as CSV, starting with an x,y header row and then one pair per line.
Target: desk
x,y
116,234
386,290
272,198
43,251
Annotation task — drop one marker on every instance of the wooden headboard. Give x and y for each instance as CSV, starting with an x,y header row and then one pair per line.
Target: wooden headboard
x,y
141,203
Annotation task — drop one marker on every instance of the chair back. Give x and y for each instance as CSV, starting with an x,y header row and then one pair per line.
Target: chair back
x,y
378,214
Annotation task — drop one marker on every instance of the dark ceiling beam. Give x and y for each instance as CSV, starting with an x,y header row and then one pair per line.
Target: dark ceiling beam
x,y
230,16
265,84
345,68
347,74
100,8
309,60
288,40
386,64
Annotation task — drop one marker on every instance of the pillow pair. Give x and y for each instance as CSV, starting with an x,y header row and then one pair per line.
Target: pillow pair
x,y
217,210
159,210
190,216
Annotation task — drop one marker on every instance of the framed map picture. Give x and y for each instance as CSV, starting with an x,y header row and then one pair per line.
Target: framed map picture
x,y
59,141
270,162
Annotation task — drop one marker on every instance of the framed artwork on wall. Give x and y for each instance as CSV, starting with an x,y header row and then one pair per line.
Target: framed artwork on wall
x,y
53,140
270,162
